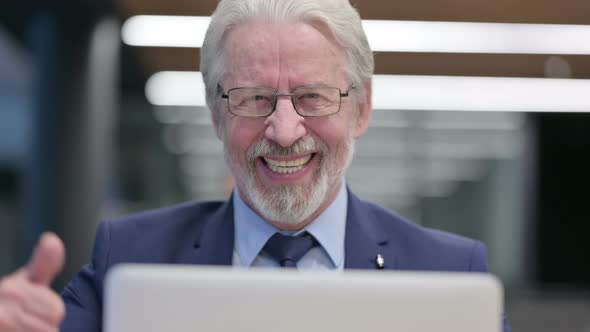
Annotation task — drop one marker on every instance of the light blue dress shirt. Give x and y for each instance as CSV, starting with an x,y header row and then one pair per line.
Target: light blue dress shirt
x,y
252,232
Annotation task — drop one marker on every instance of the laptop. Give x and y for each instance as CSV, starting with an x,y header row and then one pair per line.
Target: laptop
x,y
157,298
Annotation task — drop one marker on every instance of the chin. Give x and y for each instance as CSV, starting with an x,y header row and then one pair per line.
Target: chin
x,y
287,204
287,201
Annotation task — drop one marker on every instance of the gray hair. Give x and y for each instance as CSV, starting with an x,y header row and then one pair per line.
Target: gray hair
x,y
338,15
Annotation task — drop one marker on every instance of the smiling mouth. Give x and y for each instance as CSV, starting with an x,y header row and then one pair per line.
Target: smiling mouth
x,y
287,166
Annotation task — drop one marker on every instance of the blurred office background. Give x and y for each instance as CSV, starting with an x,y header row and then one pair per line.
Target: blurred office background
x,y
82,139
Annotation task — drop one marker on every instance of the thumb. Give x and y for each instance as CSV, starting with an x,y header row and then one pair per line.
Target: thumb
x,y
47,259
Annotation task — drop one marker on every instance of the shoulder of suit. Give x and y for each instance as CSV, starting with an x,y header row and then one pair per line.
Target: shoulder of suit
x,y
155,236
421,248
195,212
395,223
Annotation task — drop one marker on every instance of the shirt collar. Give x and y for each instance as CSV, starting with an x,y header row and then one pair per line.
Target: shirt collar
x,y
252,231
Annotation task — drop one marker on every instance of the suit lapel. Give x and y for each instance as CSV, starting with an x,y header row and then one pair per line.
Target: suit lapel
x,y
214,243
365,238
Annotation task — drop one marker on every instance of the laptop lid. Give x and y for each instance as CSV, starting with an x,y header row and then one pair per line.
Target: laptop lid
x,y
156,298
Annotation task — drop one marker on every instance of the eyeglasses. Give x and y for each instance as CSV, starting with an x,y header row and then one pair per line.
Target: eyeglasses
x,y
311,101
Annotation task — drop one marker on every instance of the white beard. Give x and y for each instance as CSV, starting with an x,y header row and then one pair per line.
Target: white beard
x,y
292,204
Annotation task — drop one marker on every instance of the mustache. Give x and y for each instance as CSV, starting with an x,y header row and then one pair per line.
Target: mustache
x,y
304,145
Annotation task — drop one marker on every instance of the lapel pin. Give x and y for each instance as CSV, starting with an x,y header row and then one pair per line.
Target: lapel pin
x,y
380,262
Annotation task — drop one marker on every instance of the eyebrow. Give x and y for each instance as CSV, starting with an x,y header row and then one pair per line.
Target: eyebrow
x,y
250,83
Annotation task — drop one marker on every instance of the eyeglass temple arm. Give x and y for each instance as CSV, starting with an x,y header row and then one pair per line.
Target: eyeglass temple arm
x,y
345,94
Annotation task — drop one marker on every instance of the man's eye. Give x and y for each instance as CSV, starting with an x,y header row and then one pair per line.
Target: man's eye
x,y
256,98
312,99
311,95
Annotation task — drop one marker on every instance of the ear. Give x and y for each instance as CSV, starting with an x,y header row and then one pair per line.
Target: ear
x,y
217,122
365,106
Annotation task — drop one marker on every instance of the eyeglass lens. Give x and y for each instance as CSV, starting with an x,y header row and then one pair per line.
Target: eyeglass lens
x,y
308,101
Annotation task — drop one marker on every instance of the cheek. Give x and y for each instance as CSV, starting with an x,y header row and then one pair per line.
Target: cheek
x,y
240,134
334,132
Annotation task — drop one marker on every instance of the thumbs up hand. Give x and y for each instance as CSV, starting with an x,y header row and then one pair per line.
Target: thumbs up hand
x,y
27,303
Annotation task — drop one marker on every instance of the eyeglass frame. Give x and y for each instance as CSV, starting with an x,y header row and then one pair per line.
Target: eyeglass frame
x,y
225,95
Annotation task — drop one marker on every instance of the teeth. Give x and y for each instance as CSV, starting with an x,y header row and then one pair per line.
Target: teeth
x,y
287,166
285,170
288,163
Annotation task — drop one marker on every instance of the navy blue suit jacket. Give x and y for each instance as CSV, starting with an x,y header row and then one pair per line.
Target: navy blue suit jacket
x,y
203,233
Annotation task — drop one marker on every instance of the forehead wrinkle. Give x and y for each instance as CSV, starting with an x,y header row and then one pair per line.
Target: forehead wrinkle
x,y
279,57
281,34
317,46
248,63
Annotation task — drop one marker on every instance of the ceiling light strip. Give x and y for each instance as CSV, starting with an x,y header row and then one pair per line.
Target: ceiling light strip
x,y
429,93
392,36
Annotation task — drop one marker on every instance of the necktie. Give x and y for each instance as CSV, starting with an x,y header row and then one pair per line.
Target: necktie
x,y
287,250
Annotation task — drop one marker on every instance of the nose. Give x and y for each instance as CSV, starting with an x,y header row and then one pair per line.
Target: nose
x,y
284,126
